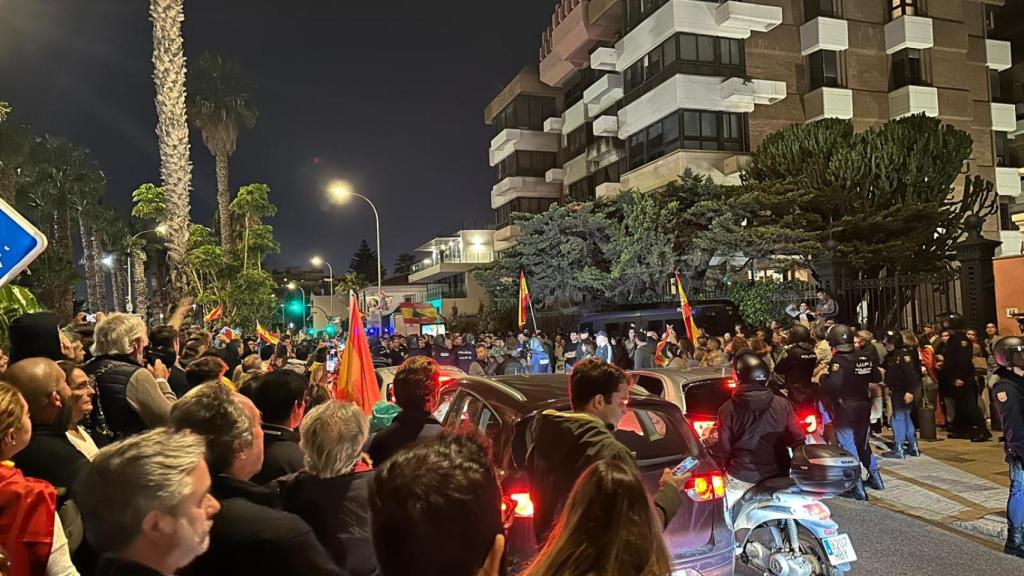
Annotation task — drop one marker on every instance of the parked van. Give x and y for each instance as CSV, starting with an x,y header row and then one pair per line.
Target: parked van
x,y
715,317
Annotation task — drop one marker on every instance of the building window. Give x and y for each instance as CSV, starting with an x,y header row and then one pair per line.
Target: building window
x,y
993,81
525,112
824,66
1005,217
581,190
686,54
688,130
639,10
816,8
1001,149
526,163
609,173
576,142
503,213
906,68
899,8
990,18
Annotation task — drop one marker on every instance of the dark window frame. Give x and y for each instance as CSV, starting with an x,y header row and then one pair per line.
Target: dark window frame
x,y
709,56
523,205
581,190
897,8
825,69
907,68
714,131
827,8
525,112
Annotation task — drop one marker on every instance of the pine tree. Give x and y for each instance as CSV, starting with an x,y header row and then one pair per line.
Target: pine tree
x,y
364,263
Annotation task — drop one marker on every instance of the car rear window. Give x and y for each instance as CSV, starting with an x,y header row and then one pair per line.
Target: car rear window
x,y
705,397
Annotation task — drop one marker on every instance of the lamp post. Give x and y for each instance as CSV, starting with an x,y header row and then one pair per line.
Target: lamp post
x,y
293,286
318,261
339,192
160,230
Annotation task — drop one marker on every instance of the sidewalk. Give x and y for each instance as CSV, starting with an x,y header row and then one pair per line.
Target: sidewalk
x,y
955,483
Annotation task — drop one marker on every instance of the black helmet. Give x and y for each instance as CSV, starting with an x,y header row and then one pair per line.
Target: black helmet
x,y
840,337
951,321
1009,352
798,333
893,338
413,342
469,339
749,369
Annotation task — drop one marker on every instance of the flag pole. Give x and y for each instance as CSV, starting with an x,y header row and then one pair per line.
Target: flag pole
x,y
534,316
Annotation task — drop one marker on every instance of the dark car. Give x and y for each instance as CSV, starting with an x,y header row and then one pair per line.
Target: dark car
x,y
504,408
712,316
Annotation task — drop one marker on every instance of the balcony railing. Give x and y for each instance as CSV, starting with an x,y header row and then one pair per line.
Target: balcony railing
x,y
440,292
472,257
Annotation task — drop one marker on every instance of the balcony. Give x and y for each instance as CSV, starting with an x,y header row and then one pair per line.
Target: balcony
x,y
436,268
553,125
908,32
997,54
505,238
554,176
606,126
828,102
1004,117
574,117
608,190
606,151
443,291
752,17
1011,243
604,59
1007,181
601,94
743,91
512,139
566,45
824,34
522,186
913,100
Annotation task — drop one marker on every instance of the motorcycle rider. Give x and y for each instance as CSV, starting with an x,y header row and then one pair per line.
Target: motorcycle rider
x,y
756,428
846,386
903,378
1008,399
796,366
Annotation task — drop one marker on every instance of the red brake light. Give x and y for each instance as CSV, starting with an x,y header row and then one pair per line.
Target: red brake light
x,y
706,487
703,428
730,383
523,504
810,423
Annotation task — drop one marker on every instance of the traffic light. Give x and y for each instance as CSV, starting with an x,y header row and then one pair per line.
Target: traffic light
x,y
296,307
331,331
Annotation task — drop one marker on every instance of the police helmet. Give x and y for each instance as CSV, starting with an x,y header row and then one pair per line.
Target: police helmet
x,y
469,339
750,369
798,333
840,337
1009,352
893,338
951,321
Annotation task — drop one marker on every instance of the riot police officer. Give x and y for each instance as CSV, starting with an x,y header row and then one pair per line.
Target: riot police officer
x,y
465,353
1008,399
903,378
846,385
796,366
956,377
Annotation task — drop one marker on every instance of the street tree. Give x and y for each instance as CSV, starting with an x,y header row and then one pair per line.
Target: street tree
x,y
364,263
404,263
251,204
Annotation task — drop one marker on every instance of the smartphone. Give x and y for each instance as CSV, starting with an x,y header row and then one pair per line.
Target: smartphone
x,y
685,466
332,364
91,318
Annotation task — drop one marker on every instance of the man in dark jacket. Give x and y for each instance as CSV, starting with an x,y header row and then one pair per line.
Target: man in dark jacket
x,y
417,387
903,378
756,428
956,378
796,366
465,352
280,398
250,535
1008,400
565,444
165,345
643,357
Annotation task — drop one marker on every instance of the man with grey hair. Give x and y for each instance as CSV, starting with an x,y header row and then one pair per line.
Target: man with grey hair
x,y
332,494
132,395
251,536
146,503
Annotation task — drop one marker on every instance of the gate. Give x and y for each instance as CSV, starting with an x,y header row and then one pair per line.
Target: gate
x,y
904,302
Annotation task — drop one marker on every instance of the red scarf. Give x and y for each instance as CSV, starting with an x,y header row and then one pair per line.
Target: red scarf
x,y
27,508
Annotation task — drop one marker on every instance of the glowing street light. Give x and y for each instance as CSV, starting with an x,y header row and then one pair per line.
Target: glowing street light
x,y
339,191
320,263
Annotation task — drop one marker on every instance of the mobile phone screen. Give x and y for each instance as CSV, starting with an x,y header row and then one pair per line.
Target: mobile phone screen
x,y
685,466
332,363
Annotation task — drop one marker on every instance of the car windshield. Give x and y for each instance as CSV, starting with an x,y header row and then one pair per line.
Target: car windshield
x,y
705,397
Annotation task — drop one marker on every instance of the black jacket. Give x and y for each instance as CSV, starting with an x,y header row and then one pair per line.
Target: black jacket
x,y
848,377
464,356
52,457
178,381
281,453
755,430
338,510
565,444
111,566
643,357
252,537
405,429
903,375
1008,398
795,367
957,362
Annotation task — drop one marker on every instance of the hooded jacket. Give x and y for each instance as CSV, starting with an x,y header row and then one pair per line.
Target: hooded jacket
x,y
755,429
565,444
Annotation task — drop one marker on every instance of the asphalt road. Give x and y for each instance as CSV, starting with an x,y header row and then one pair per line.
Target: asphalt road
x,y
892,544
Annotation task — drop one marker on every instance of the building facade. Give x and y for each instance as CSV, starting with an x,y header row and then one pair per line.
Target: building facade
x,y
640,90
445,271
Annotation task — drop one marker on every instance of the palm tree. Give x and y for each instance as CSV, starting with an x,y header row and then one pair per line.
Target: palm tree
x,y
87,204
5,110
14,146
219,104
172,132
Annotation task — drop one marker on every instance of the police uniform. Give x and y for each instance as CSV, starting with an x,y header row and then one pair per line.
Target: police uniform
x,y
846,385
1008,394
796,367
902,377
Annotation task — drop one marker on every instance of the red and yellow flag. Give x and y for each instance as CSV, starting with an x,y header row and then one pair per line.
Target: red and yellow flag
x,y
266,335
215,314
357,381
692,332
524,300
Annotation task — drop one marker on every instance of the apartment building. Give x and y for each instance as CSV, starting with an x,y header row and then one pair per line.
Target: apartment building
x,y
445,270
643,89
1006,23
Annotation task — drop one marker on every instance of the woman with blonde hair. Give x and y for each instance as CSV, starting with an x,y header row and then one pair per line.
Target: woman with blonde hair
x,y
609,493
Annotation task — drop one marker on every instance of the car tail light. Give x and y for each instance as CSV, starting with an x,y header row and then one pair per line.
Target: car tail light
x,y
706,487
518,504
730,383
810,423
703,428
443,379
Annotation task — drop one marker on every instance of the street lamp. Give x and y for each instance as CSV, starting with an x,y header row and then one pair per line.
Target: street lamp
x,y
293,286
160,231
340,191
318,261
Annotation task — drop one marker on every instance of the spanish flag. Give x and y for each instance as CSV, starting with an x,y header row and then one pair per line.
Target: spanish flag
x,y
524,300
692,332
215,314
266,335
357,380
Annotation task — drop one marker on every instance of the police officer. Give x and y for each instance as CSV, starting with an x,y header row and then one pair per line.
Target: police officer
x,y
956,377
903,378
846,385
465,354
1008,396
796,366
441,353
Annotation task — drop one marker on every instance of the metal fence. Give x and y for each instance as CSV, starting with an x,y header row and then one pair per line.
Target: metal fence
x,y
905,302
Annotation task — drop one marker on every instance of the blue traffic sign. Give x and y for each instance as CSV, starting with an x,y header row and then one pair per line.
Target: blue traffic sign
x,y
20,243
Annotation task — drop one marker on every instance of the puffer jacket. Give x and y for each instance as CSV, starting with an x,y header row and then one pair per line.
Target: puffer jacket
x,y
755,430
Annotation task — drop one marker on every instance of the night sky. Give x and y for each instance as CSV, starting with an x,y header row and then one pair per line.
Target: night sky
x,y
386,94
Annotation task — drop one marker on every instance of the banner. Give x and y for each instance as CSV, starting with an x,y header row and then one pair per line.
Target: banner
x,y
524,300
418,313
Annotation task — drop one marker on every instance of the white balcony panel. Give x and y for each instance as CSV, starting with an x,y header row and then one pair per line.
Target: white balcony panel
x,y
554,176
607,190
604,59
577,169
824,34
700,92
828,102
729,19
553,125
607,90
522,187
1007,181
574,117
913,100
511,139
1004,117
606,126
908,32
1011,240
997,54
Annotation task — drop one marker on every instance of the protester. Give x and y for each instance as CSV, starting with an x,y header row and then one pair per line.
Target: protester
x,y
81,406
802,314
164,344
33,535
827,309
36,335
417,391
481,365
249,536
714,357
436,511
643,356
280,398
903,378
207,369
608,494
332,494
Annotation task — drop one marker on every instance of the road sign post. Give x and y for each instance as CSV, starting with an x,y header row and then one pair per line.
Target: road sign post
x,y
20,243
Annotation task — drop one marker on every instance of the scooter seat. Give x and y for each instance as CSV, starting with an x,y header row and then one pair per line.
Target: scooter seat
x,y
763,491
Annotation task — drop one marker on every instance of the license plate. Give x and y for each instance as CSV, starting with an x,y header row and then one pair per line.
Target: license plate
x,y
839,549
